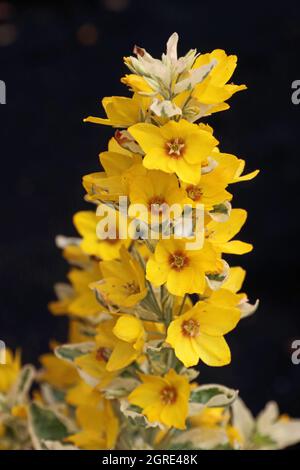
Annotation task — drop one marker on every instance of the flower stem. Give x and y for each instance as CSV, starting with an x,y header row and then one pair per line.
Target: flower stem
x,y
182,304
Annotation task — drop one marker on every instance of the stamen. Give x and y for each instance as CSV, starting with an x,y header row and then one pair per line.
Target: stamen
x,y
178,260
190,328
102,354
175,147
194,192
168,395
131,287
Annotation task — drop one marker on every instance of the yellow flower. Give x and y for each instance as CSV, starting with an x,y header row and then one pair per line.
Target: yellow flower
x,y
84,303
10,370
157,192
163,399
120,167
136,83
83,394
80,300
118,343
58,373
99,425
86,223
124,339
220,170
229,168
226,296
122,111
214,90
209,192
238,177
209,417
235,279
92,366
177,147
182,270
123,281
220,234
198,334
223,298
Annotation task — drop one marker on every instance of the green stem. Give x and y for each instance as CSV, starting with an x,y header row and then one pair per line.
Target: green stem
x,y
151,291
163,445
149,245
182,304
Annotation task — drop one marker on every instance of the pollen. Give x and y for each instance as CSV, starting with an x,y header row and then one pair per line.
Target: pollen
x,y
175,148
168,395
102,354
194,192
131,288
190,328
178,260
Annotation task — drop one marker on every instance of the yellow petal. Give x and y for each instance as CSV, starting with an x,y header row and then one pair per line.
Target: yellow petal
x,y
87,440
235,279
156,273
235,247
222,232
213,351
146,394
122,355
85,222
147,136
183,346
214,320
128,328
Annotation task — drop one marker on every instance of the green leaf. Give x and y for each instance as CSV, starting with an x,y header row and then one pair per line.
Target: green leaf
x,y
69,352
220,209
203,396
221,212
51,395
216,277
44,424
213,395
134,414
262,440
119,387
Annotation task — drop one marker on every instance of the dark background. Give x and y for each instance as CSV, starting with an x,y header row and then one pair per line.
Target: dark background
x,y
58,60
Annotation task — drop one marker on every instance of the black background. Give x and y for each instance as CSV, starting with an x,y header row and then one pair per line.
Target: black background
x,y
54,79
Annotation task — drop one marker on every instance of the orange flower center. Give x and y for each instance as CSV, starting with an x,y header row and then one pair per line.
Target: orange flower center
x,y
190,328
175,147
102,354
178,260
194,192
131,287
168,395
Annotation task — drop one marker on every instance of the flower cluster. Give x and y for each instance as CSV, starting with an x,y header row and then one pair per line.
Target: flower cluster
x,y
146,310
